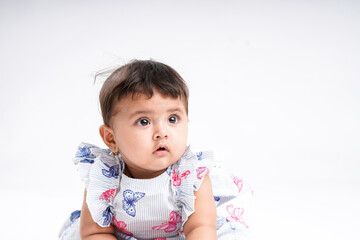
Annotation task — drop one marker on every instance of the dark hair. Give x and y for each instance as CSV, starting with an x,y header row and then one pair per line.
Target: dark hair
x,y
140,77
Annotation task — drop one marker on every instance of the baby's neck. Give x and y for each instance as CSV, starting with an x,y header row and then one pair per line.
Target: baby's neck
x,y
131,173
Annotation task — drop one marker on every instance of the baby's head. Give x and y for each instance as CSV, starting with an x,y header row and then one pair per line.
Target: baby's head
x,y
144,105
140,77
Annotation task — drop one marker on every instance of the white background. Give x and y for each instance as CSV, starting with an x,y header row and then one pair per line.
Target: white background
x,y
275,92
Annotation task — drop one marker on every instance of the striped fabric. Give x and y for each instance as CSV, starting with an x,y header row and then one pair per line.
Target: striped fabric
x,y
157,208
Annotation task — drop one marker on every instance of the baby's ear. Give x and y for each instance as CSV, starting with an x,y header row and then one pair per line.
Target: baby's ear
x,y
107,136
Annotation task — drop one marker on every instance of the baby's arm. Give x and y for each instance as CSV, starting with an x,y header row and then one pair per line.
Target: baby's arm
x,y
90,230
202,223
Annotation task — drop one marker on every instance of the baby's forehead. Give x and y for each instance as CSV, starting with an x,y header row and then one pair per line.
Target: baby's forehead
x,y
140,100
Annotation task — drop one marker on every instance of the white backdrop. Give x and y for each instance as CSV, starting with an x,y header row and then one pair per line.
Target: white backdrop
x,y
275,92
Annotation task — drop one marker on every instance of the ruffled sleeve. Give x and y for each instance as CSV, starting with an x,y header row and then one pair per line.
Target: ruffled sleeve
x,y
187,175
100,170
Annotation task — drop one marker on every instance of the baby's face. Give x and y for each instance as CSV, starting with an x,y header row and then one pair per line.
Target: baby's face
x,y
151,134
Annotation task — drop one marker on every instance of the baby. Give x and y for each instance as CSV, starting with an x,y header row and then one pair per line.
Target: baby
x,y
149,184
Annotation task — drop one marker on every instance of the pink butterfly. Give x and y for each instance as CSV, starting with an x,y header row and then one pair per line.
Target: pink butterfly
x,y
170,226
235,215
201,172
121,226
177,179
238,182
160,239
108,195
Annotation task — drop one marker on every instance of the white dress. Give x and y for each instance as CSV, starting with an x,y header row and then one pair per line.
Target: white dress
x,y
156,208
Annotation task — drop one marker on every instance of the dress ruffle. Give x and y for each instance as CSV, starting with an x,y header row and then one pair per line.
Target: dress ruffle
x,y
187,174
100,170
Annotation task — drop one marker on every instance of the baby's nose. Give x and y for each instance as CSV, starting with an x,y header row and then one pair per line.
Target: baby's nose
x,y
160,133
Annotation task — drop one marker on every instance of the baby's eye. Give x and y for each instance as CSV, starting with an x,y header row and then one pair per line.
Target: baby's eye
x,y
173,119
142,122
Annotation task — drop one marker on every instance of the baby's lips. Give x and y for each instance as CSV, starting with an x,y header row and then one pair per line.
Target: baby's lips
x,y
161,148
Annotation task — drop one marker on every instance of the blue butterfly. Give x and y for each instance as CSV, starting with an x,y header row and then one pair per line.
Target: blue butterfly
x,y
75,215
199,155
216,198
130,198
86,160
85,152
112,172
220,222
107,216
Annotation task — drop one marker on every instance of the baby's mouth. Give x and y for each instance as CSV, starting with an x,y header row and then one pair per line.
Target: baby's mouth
x,y
161,149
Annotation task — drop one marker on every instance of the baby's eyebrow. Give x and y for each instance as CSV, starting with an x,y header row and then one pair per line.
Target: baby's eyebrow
x,y
141,112
175,110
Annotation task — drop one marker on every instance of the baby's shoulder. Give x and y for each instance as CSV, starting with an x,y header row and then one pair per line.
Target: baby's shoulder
x,y
93,162
100,170
89,153
195,159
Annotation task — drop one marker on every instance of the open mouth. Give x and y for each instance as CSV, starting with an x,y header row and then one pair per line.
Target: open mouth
x,y
161,149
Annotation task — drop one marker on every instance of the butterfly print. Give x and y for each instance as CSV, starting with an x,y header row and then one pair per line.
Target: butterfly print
x,y
199,156
121,226
201,172
75,215
85,152
107,216
238,182
171,225
108,195
130,198
112,172
220,222
235,215
177,179
86,160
